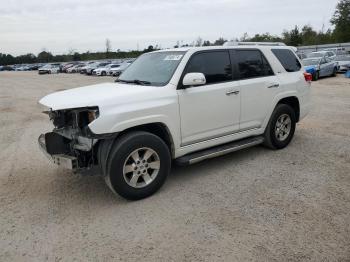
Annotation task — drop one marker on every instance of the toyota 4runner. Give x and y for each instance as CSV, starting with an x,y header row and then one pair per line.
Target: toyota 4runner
x,y
179,105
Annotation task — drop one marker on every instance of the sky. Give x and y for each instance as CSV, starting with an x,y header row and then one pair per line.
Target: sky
x,y
60,26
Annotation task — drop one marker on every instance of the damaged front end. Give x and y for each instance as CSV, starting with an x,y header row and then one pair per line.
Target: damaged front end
x,y
71,144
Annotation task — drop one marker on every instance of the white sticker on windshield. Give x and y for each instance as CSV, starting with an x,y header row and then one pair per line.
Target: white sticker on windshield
x,y
173,57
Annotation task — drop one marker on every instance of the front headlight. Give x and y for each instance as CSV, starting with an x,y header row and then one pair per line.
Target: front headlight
x,y
77,117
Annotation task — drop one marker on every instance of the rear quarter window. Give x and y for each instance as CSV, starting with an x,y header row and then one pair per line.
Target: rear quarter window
x,y
288,59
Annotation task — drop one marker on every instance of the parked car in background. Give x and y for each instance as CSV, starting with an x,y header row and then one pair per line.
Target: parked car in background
x,y
103,71
95,66
84,68
49,69
301,55
75,68
329,54
66,66
336,50
22,68
33,67
343,63
320,67
7,68
120,69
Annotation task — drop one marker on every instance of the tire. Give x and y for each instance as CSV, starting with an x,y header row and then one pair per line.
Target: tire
x,y
103,73
315,76
334,72
275,138
128,173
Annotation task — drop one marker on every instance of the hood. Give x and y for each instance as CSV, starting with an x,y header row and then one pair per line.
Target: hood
x,y
96,95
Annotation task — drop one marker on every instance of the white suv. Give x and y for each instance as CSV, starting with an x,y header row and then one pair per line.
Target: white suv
x,y
185,104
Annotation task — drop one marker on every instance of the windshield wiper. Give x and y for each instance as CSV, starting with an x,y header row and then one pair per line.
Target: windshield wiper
x,y
135,81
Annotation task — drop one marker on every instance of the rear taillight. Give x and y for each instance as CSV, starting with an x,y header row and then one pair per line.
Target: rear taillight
x,y
308,77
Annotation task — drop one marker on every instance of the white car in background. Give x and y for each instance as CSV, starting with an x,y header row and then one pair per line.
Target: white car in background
x,y
103,71
49,69
120,69
75,68
343,63
330,54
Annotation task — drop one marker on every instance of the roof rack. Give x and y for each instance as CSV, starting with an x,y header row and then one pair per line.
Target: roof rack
x,y
236,43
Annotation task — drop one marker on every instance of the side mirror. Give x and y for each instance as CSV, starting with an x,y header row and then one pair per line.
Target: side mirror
x,y
194,79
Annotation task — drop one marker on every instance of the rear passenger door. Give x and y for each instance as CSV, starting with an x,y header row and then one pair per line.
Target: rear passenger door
x,y
258,86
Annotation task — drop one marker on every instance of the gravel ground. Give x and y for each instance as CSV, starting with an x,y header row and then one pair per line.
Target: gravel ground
x,y
252,205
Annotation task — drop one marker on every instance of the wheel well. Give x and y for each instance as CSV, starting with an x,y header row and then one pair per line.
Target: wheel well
x,y
158,129
293,102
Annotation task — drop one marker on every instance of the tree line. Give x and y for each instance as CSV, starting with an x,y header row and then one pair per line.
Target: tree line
x,y
305,35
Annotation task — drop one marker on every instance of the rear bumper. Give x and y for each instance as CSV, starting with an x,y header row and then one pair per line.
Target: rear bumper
x,y
64,161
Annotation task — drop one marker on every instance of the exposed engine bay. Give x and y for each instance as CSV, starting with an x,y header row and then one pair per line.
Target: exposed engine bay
x,y
71,137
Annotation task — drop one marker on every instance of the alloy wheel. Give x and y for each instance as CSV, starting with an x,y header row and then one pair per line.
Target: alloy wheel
x,y
283,127
141,167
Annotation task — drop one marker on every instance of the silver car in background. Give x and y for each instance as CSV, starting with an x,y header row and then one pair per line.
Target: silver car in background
x,y
320,67
343,63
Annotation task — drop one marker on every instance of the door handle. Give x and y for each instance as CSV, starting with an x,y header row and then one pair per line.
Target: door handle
x,y
232,92
275,85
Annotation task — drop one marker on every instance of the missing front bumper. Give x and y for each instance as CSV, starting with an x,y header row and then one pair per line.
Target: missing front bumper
x,y
62,160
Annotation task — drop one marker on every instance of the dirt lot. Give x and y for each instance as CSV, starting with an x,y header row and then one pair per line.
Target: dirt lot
x,y
252,205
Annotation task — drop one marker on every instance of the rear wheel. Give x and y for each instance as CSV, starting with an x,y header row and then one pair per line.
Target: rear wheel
x,y
280,130
137,165
315,76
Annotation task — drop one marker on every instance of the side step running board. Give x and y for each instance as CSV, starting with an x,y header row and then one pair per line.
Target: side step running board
x,y
218,150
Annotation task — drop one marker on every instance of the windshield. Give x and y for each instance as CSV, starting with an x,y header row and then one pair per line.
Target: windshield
x,y
316,55
153,68
308,62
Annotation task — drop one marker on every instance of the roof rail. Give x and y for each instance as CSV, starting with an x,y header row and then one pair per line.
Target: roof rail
x,y
236,43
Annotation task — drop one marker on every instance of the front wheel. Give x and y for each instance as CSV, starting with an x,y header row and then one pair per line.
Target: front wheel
x,y
334,72
280,130
137,165
315,76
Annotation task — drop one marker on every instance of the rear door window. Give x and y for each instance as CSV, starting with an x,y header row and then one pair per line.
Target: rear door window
x,y
215,65
288,59
252,64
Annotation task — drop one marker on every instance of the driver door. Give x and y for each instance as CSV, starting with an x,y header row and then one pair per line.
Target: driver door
x,y
324,68
211,110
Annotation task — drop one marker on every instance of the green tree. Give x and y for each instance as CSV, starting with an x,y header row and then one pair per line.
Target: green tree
x,y
150,48
308,35
325,38
206,43
292,37
341,21
45,57
267,37
76,56
220,41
